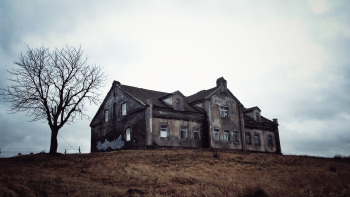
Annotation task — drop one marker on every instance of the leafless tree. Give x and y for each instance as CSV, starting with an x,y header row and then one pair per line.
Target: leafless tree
x,y
55,87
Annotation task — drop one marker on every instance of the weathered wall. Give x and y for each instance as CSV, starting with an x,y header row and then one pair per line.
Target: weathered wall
x,y
174,120
231,123
113,131
263,147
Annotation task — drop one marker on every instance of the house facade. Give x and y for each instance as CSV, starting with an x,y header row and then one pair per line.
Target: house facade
x,y
136,118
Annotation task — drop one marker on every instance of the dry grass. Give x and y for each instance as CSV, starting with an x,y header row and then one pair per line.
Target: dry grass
x,y
173,173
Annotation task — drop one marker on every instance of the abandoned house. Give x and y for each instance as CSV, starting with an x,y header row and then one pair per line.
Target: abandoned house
x,y
136,118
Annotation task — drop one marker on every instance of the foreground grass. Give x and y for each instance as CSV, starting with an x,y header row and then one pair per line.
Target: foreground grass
x,y
173,173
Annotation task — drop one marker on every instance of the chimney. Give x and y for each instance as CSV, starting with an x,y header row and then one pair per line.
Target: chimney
x,y
275,121
115,83
221,81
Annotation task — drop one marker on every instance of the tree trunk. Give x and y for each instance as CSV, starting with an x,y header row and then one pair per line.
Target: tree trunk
x,y
54,144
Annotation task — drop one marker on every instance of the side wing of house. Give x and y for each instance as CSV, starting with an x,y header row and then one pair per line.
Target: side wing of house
x,y
120,122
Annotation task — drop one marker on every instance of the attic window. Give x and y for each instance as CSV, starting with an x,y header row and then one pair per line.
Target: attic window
x,y
177,107
223,111
124,109
257,116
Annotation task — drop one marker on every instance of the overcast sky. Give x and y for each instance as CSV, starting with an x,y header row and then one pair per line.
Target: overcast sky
x,y
289,58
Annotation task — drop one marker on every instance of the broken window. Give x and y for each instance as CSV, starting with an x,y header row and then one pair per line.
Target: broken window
x,y
183,132
256,139
226,136
164,131
106,116
223,111
248,138
128,134
235,136
124,109
195,133
216,134
269,140
177,104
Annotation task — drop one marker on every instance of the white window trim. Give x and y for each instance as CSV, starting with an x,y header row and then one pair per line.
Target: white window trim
x,y
218,132
166,131
226,133
221,109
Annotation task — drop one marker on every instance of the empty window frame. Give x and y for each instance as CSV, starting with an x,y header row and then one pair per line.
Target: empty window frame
x,y
235,136
127,134
106,116
164,130
256,139
223,111
226,136
177,106
183,132
216,134
269,140
124,109
195,133
248,138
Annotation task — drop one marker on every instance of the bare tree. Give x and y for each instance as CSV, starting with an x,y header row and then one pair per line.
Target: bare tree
x,y
55,87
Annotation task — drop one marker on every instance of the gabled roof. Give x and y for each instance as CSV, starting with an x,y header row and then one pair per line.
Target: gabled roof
x,y
200,95
144,94
265,123
250,109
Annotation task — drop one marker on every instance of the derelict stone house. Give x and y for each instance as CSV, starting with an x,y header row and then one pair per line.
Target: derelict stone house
x,y
136,118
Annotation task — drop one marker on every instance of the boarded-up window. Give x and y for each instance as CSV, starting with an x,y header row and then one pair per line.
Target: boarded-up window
x,y
248,138
124,109
235,136
269,140
223,111
164,131
128,134
216,134
195,133
183,132
256,139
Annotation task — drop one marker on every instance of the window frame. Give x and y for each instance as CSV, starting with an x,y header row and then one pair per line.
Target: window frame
x,y
196,130
257,116
128,130
227,133
177,104
186,130
235,137
124,109
218,134
269,140
166,131
258,137
248,136
106,115
222,110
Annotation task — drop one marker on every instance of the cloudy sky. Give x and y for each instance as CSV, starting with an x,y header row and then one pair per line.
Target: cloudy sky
x,y
290,58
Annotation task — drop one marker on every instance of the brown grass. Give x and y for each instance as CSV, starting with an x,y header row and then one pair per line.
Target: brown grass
x,y
173,173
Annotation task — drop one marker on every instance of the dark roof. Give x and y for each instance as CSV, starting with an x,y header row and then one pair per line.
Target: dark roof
x,y
143,94
250,109
200,95
265,123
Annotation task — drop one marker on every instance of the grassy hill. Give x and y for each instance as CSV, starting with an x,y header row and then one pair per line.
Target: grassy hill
x,y
173,173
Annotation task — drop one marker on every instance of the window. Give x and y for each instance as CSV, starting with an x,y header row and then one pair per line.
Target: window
x,y
235,136
124,109
177,104
164,131
269,140
226,136
195,133
216,134
256,139
248,138
183,132
257,116
223,111
106,116
128,134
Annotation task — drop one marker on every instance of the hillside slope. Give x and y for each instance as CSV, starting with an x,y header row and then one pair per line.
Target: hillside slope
x,y
173,173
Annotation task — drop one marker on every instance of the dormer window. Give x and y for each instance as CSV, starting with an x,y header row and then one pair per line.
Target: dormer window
x,y
177,107
223,111
257,116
